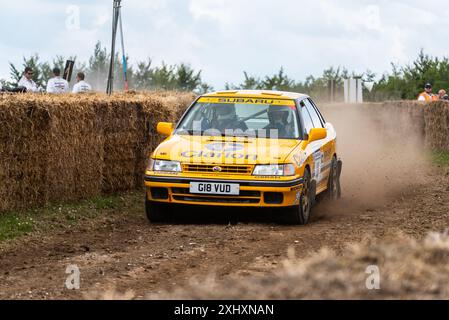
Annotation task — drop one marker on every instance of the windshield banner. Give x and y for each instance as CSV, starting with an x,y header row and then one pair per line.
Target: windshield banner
x,y
262,101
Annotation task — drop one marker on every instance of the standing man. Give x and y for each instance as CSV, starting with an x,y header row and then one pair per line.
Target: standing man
x,y
81,86
27,81
57,84
427,95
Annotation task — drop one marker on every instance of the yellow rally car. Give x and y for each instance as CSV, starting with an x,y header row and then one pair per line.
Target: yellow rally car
x,y
245,149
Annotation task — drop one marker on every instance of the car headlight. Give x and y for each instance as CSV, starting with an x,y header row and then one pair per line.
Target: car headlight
x,y
274,170
165,166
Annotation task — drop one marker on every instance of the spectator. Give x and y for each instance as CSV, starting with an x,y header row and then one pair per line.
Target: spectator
x,y
81,86
27,81
57,84
442,95
427,95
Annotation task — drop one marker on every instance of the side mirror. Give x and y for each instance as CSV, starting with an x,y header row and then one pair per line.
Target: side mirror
x,y
315,135
165,128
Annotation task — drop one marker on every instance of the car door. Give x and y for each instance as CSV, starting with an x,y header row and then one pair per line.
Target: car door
x,y
329,142
322,150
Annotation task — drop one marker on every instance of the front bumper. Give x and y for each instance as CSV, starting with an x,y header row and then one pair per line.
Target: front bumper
x,y
254,193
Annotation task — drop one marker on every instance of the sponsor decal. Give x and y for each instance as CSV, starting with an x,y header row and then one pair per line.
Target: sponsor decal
x,y
272,102
216,155
226,150
318,163
225,147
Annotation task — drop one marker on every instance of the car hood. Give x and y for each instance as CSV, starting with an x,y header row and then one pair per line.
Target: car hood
x,y
216,150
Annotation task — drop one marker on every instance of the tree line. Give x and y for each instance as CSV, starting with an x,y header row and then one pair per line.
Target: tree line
x,y
402,82
143,76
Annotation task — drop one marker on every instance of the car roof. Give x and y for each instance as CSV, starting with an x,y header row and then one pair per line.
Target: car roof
x,y
265,94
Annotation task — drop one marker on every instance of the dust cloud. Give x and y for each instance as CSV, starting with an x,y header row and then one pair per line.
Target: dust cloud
x,y
382,153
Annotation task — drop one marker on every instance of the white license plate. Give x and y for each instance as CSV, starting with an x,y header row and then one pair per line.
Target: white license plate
x,y
214,188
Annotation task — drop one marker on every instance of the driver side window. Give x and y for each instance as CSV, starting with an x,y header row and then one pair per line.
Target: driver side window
x,y
308,123
317,123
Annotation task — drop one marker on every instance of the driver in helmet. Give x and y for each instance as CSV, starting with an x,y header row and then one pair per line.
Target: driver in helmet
x,y
226,119
278,116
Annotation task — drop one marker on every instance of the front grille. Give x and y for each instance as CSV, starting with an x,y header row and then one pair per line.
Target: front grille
x,y
243,193
211,168
216,200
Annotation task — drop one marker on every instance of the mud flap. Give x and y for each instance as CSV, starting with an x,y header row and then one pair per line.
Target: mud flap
x,y
339,170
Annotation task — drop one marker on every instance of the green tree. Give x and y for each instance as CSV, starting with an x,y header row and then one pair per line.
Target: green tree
x,y
187,79
407,82
98,69
143,75
163,77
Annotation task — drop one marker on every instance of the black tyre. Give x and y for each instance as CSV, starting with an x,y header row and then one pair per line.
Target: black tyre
x,y
334,187
156,212
300,214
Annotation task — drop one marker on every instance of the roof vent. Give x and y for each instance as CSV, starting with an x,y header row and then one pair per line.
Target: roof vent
x,y
227,92
272,94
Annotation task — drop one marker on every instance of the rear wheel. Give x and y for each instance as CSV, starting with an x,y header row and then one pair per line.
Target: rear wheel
x,y
156,212
300,214
334,188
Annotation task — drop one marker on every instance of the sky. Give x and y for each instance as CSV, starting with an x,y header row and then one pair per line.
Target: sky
x,y
223,38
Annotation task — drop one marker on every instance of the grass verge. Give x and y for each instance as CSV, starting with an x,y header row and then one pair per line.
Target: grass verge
x,y
440,158
16,224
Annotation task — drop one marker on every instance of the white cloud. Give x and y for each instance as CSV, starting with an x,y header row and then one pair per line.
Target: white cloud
x,y
101,20
215,10
226,37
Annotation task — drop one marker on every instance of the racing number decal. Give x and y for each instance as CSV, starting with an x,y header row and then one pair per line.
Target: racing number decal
x,y
318,157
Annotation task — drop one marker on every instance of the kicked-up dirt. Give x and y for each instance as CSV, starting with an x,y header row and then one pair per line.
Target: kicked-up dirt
x,y
389,187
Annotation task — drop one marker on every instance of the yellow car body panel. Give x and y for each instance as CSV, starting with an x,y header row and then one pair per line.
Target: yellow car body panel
x,y
233,160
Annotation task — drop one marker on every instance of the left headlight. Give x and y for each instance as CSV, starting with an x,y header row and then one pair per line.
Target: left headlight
x,y
274,170
165,166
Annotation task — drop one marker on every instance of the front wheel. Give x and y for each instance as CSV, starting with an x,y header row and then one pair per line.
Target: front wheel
x,y
156,212
300,214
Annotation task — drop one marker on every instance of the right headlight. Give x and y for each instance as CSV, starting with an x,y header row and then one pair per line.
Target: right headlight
x,y
166,166
284,170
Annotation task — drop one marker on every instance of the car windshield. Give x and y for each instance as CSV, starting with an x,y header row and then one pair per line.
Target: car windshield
x,y
246,117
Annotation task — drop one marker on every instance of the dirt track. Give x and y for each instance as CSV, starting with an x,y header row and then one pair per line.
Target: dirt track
x,y
386,191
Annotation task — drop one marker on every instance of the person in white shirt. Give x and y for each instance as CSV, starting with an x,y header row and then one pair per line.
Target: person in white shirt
x,y
27,81
57,84
81,86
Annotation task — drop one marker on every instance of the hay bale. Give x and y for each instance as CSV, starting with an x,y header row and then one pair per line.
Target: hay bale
x,y
68,147
437,125
24,146
74,167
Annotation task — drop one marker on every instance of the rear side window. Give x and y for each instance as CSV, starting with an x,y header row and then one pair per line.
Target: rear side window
x,y
317,123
